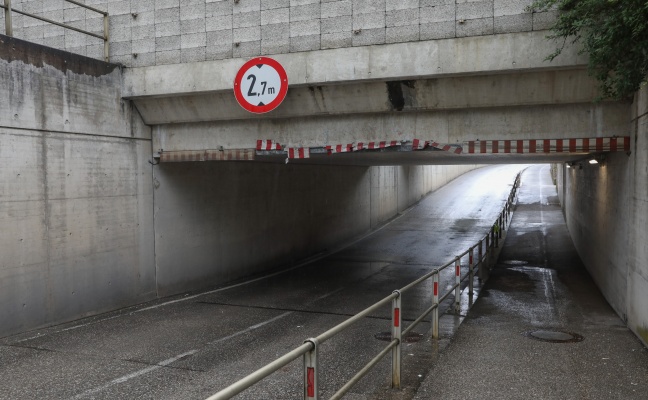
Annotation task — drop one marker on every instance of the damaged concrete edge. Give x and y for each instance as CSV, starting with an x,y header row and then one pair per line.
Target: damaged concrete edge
x,y
12,49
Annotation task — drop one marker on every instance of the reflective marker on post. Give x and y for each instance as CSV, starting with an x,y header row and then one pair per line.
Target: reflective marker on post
x,y
435,312
471,267
310,382
396,334
480,261
310,372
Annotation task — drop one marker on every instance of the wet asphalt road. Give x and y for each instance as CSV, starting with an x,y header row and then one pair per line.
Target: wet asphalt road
x,y
189,347
539,283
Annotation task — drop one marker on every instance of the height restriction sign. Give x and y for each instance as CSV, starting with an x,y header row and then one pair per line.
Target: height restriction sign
x,y
261,85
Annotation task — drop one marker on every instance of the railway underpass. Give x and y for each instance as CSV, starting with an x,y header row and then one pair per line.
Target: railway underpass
x,y
193,345
126,184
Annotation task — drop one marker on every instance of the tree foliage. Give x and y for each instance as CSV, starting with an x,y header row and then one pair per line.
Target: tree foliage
x,y
614,33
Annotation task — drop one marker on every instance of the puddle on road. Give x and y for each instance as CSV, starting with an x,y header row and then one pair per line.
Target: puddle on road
x,y
511,280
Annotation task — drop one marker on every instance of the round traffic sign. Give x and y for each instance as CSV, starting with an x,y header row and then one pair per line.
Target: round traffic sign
x,y
261,85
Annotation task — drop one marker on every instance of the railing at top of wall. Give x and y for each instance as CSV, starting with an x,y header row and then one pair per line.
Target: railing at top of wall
x,y
309,350
104,37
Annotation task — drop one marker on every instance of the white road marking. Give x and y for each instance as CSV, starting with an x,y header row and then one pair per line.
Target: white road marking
x,y
169,361
133,375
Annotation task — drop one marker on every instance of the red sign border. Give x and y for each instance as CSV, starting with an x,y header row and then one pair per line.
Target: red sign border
x,y
282,90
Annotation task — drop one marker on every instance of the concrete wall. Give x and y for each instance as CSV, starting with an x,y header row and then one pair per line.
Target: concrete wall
x,y
155,32
75,190
215,222
89,225
606,208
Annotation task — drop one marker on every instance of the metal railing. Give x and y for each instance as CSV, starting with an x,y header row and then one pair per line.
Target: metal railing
x,y
309,350
105,37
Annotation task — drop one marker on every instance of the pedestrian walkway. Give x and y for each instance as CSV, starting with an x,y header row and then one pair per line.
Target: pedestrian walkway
x,y
540,328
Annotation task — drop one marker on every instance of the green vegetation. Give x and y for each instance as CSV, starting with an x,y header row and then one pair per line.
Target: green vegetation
x,y
614,33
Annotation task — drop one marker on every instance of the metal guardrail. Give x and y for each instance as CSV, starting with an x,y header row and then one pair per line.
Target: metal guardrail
x,y
105,37
309,350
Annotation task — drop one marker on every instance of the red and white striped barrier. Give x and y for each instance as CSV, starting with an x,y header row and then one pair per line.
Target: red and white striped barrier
x,y
375,145
358,146
299,152
208,155
584,145
340,148
457,149
418,144
268,145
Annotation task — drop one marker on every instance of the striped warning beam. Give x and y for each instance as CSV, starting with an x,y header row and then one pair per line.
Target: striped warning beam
x,y
208,155
267,145
583,145
375,145
339,148
348,148
298,152
418,144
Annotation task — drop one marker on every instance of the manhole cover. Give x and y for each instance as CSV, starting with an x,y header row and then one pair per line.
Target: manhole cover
x,y
411,337
552,336
515,262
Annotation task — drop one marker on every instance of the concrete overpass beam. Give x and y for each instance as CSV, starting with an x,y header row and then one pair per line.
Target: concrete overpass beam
x,y
525,51
449,93
450,126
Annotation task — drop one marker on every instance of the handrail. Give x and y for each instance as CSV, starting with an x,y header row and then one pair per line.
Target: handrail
x,y
105,37
261,373
310,348
342,326
338,395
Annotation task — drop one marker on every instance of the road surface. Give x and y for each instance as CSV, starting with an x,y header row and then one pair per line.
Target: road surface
x,y
191,346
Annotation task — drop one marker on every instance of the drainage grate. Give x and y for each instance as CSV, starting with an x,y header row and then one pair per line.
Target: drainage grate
x,y
411,337
554,336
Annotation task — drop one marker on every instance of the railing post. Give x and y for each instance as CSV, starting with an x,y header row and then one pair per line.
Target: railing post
x,y
396,334
458,283
509,210
471,267
311,390
8,22
435,301
496,230
501,225
488,251
480,261
106,38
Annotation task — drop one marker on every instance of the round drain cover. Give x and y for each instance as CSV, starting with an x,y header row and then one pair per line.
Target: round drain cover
x,y
553,336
